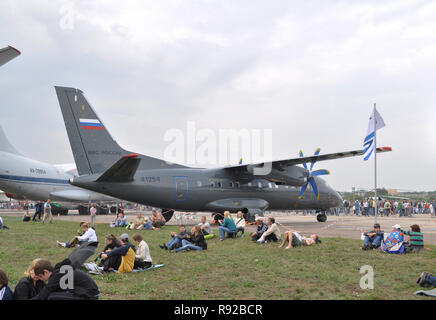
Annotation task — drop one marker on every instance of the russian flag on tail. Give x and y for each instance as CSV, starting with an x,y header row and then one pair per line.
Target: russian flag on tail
x,y
369,143
91,124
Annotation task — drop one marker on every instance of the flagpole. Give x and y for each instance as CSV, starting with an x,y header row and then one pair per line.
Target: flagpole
x,y
375,165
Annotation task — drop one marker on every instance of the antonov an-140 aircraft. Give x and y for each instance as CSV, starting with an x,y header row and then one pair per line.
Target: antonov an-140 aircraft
x,y
105,167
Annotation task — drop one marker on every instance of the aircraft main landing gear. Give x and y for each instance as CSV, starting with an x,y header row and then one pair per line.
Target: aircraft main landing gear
x,y
321,217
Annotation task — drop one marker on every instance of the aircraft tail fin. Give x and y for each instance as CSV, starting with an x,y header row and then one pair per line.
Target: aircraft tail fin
x,y
94,149
5,145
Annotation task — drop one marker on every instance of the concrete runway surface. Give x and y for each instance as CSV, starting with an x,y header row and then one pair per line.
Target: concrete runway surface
x,y
336,226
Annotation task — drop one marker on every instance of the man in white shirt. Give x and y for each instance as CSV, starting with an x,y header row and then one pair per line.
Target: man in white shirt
x,y
205,226
88,235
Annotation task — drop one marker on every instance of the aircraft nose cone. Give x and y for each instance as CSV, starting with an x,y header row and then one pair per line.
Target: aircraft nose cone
x,y
337,198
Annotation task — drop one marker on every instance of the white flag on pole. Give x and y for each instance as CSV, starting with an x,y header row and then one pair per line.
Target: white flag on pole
x,y
368,143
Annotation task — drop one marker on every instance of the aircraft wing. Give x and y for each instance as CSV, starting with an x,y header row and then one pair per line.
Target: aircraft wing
x,y
122,171
281,165
7,54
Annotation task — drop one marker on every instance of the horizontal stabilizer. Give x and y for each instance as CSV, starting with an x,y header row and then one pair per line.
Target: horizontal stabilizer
x,y
122,171
7,54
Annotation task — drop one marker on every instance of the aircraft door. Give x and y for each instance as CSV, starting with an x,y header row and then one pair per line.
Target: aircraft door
x,y
181,188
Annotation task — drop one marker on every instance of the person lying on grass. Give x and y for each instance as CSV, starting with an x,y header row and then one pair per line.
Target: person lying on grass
x,y
29,286
194,242
296,240
142,256
272,234
85,234
426,280
122,258
176,239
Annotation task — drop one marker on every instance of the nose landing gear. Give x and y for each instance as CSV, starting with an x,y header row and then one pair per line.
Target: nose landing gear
x,y
321,217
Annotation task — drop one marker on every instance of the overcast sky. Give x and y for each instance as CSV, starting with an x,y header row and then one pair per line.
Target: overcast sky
x,y
308,70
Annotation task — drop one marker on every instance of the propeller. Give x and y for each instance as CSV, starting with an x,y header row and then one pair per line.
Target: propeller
x,y
311,174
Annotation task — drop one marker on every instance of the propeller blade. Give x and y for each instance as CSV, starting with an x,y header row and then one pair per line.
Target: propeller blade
x,y
320,172
317,151
303,188
301,156
314,187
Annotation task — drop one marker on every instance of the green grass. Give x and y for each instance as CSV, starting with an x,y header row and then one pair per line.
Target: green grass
x,y
232,269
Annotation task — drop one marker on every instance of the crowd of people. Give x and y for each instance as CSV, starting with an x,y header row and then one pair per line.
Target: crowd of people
x,y
402,208
120,255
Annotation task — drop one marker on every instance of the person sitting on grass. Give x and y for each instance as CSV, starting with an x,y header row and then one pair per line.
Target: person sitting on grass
x,y
240,223
5,291
2,226
122,258
296,240
147,224
157,219
27,216
86,234
176,239
142,256
138,222
111,243
205,228
29,286
272,234
82,288
227,226
194,242
261,228
426,280
373,239
416,242
120,221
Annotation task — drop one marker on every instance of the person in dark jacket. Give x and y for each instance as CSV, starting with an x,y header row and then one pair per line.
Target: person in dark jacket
x,y
194,242
29,286
121,258
261,228
176,239
111,243
373,239
82,288
5,291
37,212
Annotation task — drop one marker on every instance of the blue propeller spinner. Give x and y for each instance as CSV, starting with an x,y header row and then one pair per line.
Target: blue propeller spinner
x,y
311,174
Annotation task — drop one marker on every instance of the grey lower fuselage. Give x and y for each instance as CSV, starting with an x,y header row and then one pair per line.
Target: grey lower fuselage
x,y
193,189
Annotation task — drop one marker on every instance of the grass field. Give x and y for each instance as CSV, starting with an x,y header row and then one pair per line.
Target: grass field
x,y
232,269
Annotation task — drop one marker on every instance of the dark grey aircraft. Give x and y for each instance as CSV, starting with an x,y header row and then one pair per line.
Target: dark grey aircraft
x,y
106,168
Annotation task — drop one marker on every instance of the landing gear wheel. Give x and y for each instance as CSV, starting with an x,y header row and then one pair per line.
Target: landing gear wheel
x,y
321,217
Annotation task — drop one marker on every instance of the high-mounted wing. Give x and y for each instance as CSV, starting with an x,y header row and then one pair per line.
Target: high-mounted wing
x,y
284,172
7,54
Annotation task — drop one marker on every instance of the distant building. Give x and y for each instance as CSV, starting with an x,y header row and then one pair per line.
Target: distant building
x,y
392,192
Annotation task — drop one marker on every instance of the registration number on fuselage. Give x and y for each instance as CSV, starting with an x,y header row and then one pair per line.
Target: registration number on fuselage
x,y
37,171
150,179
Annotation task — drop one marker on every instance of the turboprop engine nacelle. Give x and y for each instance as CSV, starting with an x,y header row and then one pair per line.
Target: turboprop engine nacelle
x,y
292,176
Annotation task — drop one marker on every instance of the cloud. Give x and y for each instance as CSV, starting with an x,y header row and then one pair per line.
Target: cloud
x,y
310,71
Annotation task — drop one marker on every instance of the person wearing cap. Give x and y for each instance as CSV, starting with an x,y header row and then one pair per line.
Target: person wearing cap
x,y
122,258
373,239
